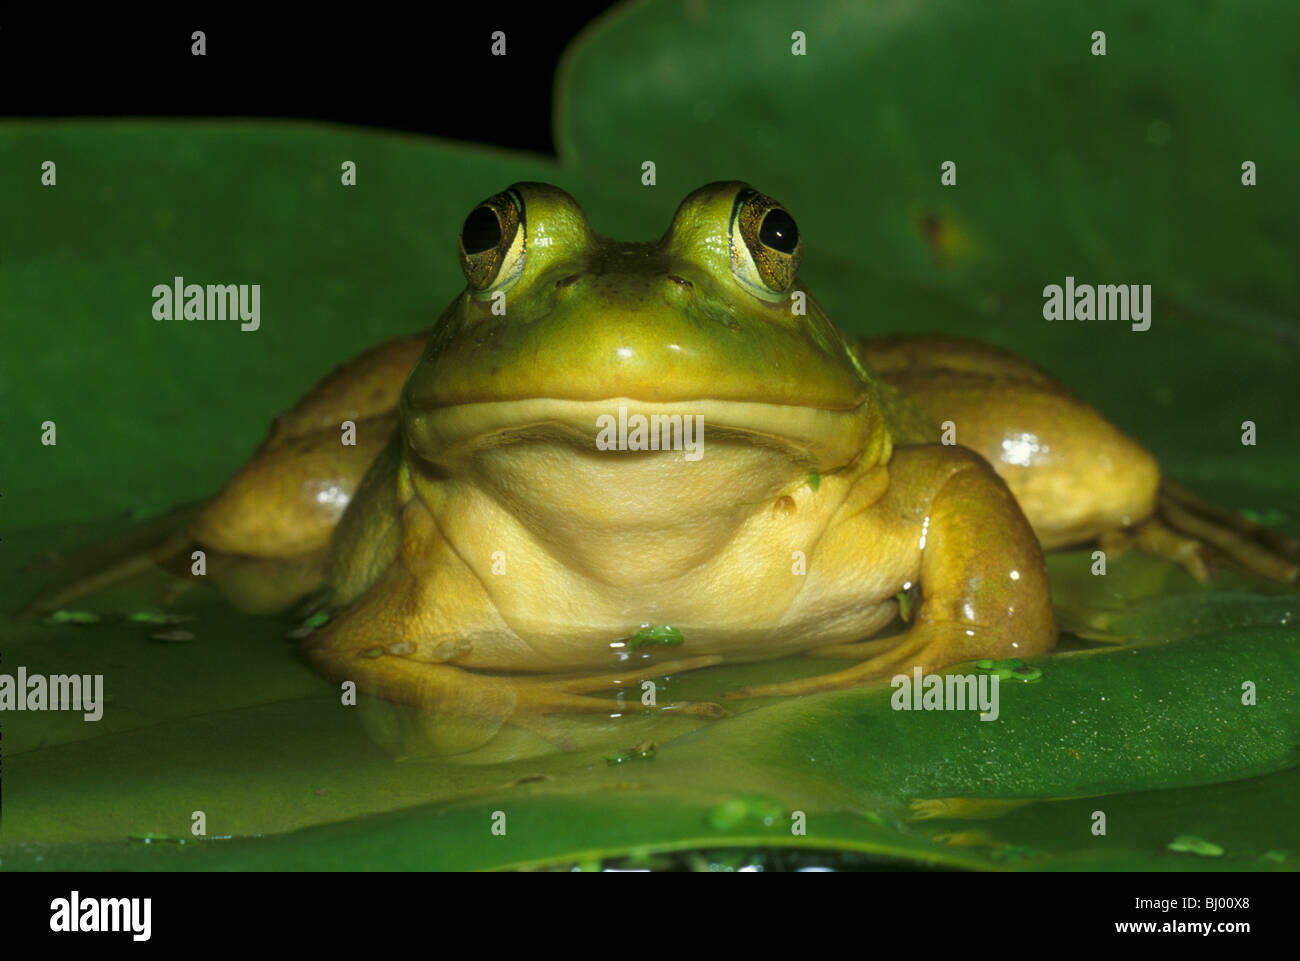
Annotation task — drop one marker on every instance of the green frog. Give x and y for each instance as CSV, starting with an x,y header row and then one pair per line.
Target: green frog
x,y
611,462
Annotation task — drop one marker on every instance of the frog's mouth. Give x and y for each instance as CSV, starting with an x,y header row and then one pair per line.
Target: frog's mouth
x,y
823,439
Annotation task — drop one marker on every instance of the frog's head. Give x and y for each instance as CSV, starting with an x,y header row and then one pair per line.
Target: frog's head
x,y
558,326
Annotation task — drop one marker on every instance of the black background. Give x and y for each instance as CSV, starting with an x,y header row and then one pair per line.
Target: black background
x,y
433,75
499,915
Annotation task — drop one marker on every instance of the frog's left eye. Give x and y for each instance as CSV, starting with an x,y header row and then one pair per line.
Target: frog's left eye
x,y
492,242
765,245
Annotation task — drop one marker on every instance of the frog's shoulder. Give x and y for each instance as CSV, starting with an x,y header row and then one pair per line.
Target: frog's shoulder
x,y
900,359
904,420
903,354
365,387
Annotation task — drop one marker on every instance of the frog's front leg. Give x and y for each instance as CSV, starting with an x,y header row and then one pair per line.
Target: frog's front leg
x,y
983,586
419,633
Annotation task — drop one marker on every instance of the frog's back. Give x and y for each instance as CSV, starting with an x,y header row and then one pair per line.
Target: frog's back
x,y
287,499
1074,474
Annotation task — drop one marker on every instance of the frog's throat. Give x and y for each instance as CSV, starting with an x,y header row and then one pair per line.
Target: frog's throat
x,y
823,439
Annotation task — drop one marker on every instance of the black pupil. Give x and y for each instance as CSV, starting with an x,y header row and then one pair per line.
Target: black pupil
x,y
779,232
481,232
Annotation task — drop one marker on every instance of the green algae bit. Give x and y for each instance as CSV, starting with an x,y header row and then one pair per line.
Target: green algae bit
x,y
309,626
669,636
904,606
814,481
153,837
1191,844
746,809
1012,669
1268,517
151,617
72,617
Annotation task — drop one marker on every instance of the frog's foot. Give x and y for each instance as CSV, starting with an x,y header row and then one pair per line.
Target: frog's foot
x,y
854,650
101,573
548,689
1156,538
1184,524
900,654
446,689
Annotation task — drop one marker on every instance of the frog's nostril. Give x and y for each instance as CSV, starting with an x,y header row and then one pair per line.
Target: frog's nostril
x,y
681,281
566,281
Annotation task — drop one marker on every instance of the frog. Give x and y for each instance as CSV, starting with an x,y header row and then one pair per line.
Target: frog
x,y
602,443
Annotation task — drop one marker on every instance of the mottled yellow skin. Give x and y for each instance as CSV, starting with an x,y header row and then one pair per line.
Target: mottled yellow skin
x,y
490,534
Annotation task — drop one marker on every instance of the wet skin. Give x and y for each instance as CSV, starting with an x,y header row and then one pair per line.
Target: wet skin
x,y
477,527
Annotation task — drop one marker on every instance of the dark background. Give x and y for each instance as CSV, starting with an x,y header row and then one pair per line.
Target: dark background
x,y
432,76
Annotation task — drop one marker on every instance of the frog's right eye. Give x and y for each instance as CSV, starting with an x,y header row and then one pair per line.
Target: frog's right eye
x,y
492,242
765,245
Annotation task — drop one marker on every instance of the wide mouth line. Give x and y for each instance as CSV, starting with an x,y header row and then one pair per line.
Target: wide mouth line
x,y
826,436
617,401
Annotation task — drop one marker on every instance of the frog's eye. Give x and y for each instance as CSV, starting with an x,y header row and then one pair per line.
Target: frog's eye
x,y
765,245
492,242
